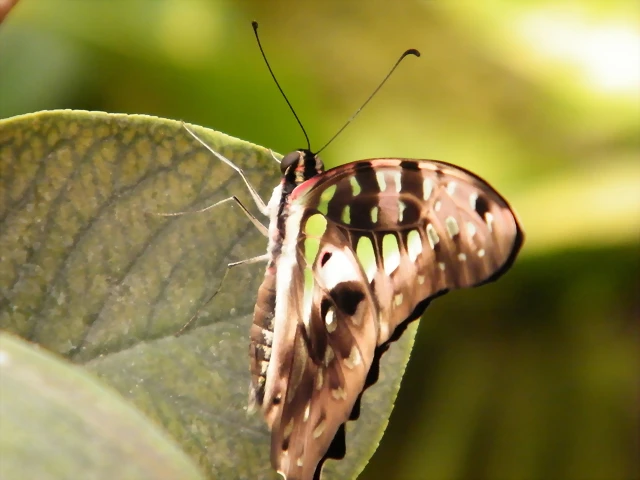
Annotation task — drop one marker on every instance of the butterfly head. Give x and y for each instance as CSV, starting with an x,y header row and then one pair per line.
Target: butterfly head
x,y
299,166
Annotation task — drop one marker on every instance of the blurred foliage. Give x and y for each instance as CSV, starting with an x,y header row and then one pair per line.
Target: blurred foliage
x,y
533,377
39,389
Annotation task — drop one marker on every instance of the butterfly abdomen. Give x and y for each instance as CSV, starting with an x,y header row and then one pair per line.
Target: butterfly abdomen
x,y
261,335
262,329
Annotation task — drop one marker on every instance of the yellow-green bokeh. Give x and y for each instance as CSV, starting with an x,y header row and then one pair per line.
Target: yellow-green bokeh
x,y
532,377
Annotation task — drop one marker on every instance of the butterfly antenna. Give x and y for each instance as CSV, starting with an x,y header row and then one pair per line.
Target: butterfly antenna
x,y
411,51
254,24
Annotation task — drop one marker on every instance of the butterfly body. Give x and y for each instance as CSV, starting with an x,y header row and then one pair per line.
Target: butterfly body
x,y
355,252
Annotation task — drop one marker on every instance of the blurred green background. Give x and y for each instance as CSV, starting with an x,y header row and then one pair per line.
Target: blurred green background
x,y
534,377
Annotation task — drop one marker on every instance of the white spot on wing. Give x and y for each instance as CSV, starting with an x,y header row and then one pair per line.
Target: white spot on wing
x,y
397,179
462,257
339,268
473,198
382,183
488,217
354,358
452,226
319,378
427,188
414,245
330,321
471,229
319,430
329,355
451,188
401,208
397,299
288,429
339,393
432,236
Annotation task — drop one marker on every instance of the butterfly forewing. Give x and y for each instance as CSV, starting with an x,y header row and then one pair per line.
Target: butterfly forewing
x,y
418,228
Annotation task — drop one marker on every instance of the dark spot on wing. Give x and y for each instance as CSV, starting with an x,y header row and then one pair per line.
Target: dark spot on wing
x,y
482,206
347,296
409,165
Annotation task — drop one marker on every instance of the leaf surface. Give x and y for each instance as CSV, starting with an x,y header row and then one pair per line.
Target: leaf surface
x,y
60,422
91,272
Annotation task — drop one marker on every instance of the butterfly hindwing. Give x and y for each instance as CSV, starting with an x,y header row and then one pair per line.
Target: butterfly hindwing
x,y
332,352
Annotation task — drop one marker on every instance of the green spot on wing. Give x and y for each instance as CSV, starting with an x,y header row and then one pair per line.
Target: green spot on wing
x,y
414,244
390,253
389,245
311,247
355,186
314,229
315,226
366,256
308,286
346,215
325,198
374,214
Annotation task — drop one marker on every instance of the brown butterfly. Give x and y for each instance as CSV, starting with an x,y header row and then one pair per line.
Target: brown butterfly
x,y
354,254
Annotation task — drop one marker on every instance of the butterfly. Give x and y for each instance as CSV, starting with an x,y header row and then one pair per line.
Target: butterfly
x,y
354,254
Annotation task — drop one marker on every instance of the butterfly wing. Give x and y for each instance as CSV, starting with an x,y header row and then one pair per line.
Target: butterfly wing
x,y
419,228
336,331
367,245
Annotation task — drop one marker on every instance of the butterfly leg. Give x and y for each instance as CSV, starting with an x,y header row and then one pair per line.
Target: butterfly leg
x,y
247,261
261,228
254,194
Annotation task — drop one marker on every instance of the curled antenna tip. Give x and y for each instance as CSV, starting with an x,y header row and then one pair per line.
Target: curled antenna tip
x,y
254,24
411,51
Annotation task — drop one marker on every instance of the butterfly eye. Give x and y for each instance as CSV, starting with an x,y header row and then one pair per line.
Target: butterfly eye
x,y
288,160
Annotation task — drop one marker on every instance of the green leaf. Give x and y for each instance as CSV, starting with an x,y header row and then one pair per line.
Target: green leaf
x,y
59,422
90,271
